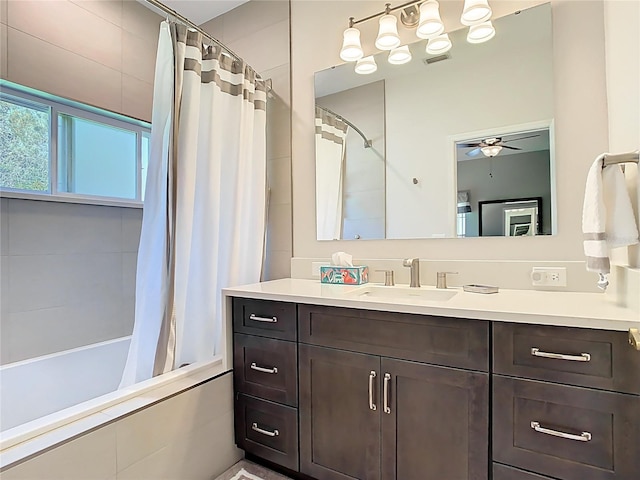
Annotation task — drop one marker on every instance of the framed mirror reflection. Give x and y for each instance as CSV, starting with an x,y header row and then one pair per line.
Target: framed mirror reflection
x,y
389,156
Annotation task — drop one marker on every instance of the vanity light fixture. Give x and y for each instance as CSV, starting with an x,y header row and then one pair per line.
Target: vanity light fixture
x,y
476,14
366,65
491,150
439,44
400,55
481,32
475,11
351,47
388,37
430,24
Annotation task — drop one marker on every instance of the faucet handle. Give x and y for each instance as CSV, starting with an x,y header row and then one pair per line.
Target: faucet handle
x,y
441,279
388,278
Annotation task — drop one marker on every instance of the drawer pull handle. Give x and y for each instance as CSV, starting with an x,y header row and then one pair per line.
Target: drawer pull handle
x,y
273,370
583,357
634,338
256,318
255,427
372,376
583,437
387,378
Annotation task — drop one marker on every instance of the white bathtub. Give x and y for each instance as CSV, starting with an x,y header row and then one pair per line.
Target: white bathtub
x,y
41,386
49,398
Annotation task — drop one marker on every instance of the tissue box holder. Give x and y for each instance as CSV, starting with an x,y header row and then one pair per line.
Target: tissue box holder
x,y
344,275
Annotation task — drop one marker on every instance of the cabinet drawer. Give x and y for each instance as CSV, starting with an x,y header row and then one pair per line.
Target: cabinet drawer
x,y
267,430
265,318
266,368
591,358
570,433
439,340
502,472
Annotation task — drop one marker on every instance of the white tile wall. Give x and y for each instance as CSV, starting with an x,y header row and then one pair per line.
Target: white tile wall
x,y
68,275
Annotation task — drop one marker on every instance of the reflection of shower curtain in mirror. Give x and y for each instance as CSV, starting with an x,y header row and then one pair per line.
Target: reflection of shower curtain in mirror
x,y
330,153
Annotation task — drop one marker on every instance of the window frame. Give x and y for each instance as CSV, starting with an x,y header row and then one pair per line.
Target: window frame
x,y
31,98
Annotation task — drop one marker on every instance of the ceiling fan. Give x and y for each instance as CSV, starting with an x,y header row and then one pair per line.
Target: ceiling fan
x,y
492,146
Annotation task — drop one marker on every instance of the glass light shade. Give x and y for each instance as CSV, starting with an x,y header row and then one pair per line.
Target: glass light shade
x,y
481,33
475,11
400,55
430,24
351,47
491,150
439,44
366,65
388,38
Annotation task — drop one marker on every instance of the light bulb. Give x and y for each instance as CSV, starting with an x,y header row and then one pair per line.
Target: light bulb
x,y
400,55
366,65
351,48
475,11
439,44
491,150
430,24
481,33
388,38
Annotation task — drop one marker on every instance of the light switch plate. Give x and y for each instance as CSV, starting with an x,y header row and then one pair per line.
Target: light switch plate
x,y
549,277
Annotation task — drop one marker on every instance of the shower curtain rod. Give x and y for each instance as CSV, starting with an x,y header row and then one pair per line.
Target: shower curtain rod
x,y
169,11
367,143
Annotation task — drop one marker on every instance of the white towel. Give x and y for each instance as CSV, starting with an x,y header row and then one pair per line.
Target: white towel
x,y
607,217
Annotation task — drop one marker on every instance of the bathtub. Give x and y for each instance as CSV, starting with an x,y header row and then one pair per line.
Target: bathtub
x,y
44,395
40,386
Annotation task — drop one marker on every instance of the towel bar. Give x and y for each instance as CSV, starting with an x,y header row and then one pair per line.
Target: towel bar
x,y
629,157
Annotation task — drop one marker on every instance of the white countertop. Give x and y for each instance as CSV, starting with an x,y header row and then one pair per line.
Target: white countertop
x,y
571,309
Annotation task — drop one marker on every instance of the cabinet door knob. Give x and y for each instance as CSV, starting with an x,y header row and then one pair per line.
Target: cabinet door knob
x,y
372,377
583,437
583,357
268,433
257,318
387,379
254,366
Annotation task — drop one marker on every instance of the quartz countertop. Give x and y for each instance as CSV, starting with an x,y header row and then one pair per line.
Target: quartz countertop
x,y
571,309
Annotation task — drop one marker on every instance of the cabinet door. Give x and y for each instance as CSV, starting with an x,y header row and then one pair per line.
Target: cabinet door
x,y
339,427
434,422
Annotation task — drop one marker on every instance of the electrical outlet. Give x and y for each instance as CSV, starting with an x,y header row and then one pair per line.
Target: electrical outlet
x,y
315,268
549,277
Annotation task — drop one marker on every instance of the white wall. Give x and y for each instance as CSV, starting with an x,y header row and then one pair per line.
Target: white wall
x,y
580,127
258,31
364,171
187,437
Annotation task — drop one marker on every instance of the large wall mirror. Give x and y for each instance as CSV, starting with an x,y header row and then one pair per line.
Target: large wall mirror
x,y
415,150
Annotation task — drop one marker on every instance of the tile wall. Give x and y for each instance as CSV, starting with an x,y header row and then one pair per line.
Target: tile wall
x,y
68,275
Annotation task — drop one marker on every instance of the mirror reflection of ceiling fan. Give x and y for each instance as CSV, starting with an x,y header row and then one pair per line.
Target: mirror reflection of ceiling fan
x,y
490,147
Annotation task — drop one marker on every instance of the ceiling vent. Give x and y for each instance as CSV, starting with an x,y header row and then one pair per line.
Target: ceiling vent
x,y
438,58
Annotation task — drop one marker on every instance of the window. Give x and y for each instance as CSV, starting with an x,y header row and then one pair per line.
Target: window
x,y
461,224
61,149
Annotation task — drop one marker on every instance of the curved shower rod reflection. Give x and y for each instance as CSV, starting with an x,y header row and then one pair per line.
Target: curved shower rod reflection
x,y
367,143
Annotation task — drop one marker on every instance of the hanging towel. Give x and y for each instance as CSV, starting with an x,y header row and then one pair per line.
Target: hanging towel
x,y
607,217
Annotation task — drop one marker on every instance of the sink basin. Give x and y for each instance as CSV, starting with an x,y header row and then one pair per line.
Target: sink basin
x,y
425,294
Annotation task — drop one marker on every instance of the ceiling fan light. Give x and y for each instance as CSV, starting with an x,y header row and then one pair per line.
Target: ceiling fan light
x,y
400,55
475,11
491,150
439,44
430,24
388,38
366,65
351,47
481,33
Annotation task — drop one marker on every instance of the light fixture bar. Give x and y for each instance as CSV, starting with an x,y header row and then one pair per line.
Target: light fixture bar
x,y
386,11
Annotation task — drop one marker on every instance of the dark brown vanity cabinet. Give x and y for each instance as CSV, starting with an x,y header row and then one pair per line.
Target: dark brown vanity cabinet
x,y
368,416
265,364
566,403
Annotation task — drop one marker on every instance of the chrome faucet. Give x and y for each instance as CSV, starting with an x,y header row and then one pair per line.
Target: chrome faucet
x,y
414,265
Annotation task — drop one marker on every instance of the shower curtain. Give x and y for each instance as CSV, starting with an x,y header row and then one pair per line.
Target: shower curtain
x,y
204,211
331,134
